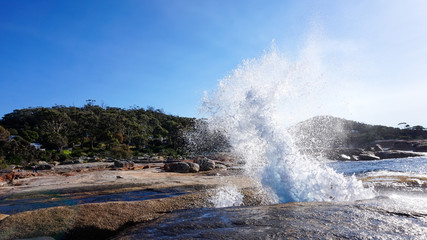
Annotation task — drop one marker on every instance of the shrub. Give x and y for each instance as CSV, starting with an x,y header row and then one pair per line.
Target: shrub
x,y
169,152
121,152
44,156
77,154
15,159
62,157
66,152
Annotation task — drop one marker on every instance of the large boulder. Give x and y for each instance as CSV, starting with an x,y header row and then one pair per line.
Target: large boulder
x,y
205,164
123,164
181,167
42,165
194,167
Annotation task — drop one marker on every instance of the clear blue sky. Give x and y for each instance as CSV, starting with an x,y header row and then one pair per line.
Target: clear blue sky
x,y
166,53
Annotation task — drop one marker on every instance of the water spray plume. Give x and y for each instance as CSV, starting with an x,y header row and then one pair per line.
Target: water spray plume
x,y
247,108
227,196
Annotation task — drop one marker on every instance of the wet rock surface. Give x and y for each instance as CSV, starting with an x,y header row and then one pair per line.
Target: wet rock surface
x,y
285,221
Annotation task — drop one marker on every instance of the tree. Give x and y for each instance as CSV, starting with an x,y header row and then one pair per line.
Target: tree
x,y
88,127
55,141
4,134
30,135
419,131
54,120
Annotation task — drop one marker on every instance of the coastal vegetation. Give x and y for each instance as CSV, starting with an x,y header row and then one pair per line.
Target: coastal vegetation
x,y
59,133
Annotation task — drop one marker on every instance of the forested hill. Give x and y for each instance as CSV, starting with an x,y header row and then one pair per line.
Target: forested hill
x,y
333,132
89,130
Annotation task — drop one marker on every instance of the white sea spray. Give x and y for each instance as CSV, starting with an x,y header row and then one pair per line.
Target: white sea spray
x,y
247,108
226,196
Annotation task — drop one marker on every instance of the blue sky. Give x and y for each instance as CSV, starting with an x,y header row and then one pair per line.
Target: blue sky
x,y
165,54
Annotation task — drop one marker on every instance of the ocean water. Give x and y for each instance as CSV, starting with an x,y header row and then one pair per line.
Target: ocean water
x,y
415,166
398,183
15,204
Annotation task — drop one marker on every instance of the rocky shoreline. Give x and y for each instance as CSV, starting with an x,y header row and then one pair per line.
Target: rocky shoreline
x,y
105,219
356,154
384,149
195,178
